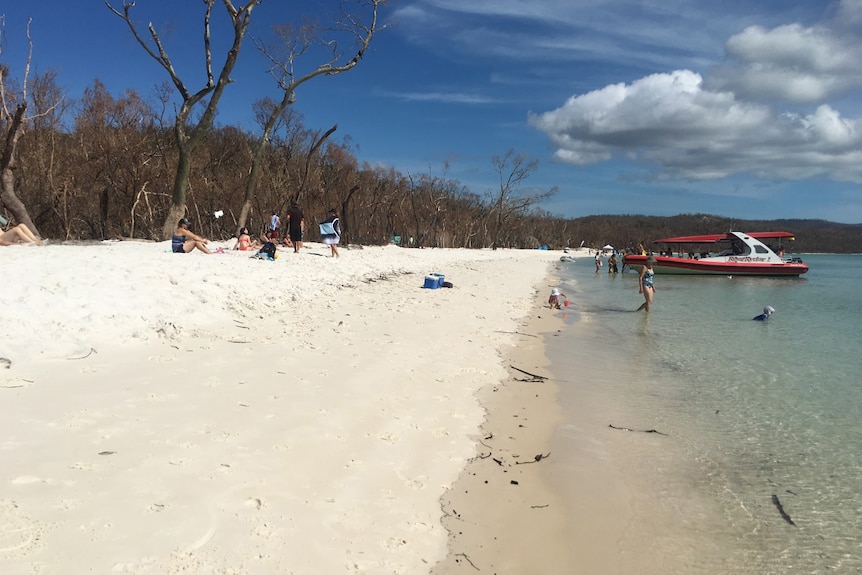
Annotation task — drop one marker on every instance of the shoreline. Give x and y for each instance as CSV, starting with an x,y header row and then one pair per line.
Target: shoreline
x,y
504,514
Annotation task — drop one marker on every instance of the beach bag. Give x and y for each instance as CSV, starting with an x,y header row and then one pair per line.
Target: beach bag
x,y
327,229
268,250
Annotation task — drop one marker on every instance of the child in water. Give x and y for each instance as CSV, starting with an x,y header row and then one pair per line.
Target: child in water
x,y
555,297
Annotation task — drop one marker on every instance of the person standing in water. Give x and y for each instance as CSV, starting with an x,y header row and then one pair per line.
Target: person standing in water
x,y
645,283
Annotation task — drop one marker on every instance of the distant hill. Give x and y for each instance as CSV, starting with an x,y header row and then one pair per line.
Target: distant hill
x,y
812,236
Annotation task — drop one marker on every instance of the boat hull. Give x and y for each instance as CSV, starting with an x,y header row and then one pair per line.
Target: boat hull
x,y
714,266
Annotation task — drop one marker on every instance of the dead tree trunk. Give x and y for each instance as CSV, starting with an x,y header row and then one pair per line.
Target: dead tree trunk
x,y
7,170
294,44
188,136
346,227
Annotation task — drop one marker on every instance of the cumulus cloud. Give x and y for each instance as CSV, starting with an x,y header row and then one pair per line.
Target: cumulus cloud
x,y
792,62
770,108
671,121
849,13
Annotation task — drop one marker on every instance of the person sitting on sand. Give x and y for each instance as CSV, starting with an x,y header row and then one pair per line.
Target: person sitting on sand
x,y
19,234
267,237
244,241
184,241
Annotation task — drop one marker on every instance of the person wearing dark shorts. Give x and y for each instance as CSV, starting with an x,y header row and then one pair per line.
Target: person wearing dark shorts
x,y
184,241
295,225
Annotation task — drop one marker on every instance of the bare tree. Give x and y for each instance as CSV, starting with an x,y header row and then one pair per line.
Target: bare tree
x,y
309,156
513,169
13,122
189,134
41,153
294,43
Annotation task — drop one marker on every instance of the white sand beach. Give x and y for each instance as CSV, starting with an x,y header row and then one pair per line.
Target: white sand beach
x,y
165,413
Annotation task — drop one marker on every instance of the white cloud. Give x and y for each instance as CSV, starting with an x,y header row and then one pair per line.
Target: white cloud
x,y
568,30
443,97
791,62
672,122
849,13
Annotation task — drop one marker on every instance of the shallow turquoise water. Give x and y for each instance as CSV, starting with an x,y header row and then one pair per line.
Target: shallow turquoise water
x,y
754,409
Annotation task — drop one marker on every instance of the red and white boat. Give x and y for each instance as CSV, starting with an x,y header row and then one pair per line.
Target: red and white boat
x,y
733,253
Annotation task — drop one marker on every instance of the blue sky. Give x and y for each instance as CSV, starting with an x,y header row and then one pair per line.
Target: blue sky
x,y
743,108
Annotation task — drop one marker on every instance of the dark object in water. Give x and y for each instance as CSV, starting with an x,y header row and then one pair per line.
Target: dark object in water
x,y
612,426
780,507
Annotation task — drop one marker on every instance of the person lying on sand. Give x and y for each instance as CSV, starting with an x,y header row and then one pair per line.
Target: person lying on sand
x,y
184,241
19,234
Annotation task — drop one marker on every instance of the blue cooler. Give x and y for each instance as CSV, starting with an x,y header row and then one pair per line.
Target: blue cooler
x,y
439,279
432,282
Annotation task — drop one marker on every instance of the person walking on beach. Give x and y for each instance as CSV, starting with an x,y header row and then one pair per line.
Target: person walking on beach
x,y
184,241
645,283
295,225
330,232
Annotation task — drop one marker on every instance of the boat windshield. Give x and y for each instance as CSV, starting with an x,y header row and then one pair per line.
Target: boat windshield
x,y
736,248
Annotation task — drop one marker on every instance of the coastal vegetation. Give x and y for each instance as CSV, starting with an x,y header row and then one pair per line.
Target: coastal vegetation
x,y
109,174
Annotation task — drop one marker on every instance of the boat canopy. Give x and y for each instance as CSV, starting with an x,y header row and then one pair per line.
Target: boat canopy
x,y
712,238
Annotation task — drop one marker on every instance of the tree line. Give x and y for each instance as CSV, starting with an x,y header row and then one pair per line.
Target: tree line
x,y
627,231
110,174
125,167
